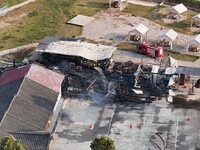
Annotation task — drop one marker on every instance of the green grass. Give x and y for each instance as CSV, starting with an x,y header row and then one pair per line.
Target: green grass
x,y
178,56
138,10
48,18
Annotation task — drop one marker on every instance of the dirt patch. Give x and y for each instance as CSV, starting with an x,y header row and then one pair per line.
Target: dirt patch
x,y
14,17
18,56
180,101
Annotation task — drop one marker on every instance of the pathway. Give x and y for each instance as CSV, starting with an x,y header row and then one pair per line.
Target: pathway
x,y
5,11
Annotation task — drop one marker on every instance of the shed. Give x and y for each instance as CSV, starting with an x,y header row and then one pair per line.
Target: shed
x,y
195,18
195,40
119,1
140,30
169,35
178,9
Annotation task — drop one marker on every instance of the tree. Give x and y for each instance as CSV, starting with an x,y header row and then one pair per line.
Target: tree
x,y
102,142
9,143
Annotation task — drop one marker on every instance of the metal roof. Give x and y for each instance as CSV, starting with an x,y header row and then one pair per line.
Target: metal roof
x,y
179,9
140,29
45,77
13,74
169,34
30,109
33,140
86,50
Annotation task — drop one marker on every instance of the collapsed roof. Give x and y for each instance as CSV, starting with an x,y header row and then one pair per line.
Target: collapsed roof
x,y
82,49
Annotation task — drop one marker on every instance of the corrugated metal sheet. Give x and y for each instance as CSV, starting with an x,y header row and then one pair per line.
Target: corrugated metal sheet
x,y
86,50
14,74
33,141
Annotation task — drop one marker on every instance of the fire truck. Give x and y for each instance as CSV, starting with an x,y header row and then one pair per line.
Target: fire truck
x,y
146,49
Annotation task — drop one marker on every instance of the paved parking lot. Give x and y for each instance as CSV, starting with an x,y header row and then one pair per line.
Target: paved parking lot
x,y
131,127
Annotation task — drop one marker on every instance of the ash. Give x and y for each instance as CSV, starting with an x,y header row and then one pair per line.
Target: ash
x,y
106,80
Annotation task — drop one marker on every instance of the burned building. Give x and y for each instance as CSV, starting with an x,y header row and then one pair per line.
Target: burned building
x,y
90,72
76,52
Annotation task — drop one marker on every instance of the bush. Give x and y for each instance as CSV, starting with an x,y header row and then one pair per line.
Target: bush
x,y
102,143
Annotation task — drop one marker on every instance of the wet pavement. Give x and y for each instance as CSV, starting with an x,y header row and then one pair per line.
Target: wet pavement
x,y
132,126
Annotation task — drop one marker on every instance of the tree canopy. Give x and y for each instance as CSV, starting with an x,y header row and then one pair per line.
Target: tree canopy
x,y
102,142
9,143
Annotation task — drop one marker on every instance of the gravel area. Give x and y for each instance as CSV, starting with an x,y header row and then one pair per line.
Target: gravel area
x,y
113,27
123,56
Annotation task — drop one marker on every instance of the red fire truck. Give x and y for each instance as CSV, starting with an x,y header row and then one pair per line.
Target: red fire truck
x,y
146,49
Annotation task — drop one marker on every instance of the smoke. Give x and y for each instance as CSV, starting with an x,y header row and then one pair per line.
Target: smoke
x,y
103,77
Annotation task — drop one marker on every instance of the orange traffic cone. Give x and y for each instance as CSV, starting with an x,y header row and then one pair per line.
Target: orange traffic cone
x,y
131,126
91,126
188,118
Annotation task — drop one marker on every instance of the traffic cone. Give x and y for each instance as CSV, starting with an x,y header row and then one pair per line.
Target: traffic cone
x,y
91,126
188,118
130,126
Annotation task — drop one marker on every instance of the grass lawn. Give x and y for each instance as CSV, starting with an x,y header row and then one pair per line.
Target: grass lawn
x,y
48,17
178,56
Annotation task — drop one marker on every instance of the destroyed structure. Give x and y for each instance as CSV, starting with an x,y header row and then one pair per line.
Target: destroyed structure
x,y
91,72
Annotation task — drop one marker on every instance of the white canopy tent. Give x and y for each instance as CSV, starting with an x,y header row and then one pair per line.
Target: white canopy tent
x,y
178,9
195,40
120,3
140,30
171,62
170,35
195,18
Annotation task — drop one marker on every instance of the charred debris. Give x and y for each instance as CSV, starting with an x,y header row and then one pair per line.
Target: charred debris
x,y
106,80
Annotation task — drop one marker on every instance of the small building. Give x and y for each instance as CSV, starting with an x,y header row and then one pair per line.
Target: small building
x,y
167,37
194,43
137,33
118,3
196,19
176,11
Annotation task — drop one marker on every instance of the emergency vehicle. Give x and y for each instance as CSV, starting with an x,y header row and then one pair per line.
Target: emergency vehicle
x,y
146,49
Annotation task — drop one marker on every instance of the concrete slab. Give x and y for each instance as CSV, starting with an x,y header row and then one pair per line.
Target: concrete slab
x,y
73,130
81,20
